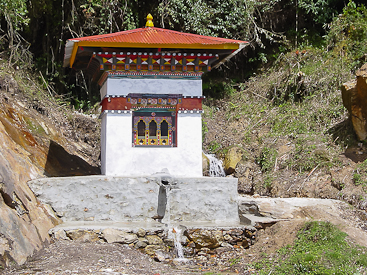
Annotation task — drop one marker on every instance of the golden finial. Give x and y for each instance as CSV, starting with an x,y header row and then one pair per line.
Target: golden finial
x,y
149,21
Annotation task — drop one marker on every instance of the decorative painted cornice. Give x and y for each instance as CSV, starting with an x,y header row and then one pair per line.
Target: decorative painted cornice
x,y
164,62
149,74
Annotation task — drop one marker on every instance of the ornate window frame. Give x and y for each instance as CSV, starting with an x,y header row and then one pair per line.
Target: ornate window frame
x,y
153,120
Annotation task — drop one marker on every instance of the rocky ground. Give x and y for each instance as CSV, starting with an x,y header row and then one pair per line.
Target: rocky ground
x,y
76,257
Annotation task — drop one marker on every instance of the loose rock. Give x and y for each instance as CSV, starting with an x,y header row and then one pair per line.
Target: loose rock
x,y
154,240
117,236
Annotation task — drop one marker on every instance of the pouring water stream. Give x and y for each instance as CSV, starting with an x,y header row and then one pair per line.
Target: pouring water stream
x,y
175,232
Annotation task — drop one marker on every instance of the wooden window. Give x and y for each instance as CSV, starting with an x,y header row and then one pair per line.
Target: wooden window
x,y
154,128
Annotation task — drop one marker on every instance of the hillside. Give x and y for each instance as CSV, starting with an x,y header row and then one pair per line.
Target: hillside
x,y
304,148
39,137
276,110
287,124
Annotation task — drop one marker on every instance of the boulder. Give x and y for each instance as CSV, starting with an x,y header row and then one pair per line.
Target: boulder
x,y
151,249
117,236
244,173
232,158
82,235
205,238
354,95
154,240
141,232
141,243
162,256
60,235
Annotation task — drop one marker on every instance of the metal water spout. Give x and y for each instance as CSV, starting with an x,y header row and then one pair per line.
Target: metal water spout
x,y
164,178
165,181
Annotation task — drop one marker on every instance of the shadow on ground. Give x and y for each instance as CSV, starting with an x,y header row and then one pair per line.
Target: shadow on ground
x,y
343,134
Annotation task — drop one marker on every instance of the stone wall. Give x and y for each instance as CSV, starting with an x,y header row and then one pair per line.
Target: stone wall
x,y
199,244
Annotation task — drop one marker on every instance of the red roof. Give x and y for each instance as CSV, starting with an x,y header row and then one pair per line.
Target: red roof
x,y
149,37
160,36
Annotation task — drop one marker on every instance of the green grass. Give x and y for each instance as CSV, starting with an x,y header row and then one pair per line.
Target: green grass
x,y
320,248
360,174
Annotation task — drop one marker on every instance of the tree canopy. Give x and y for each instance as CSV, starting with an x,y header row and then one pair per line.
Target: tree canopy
x,y
33,32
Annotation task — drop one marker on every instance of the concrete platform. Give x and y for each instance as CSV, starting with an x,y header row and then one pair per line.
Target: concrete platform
x,y
159,197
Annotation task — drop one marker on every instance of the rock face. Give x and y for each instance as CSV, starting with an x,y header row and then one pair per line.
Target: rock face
x,y
24,224
30,131
354,94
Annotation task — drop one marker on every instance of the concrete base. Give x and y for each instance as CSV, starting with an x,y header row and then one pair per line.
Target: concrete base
x,y
161,197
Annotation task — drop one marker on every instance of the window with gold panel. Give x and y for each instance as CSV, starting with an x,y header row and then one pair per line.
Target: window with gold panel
x,y
154,128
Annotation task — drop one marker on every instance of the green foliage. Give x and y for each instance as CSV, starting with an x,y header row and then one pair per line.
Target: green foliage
x,y
347,34
296,76
231,19
15,15
322,11
101,16
360,174
214,146
204,129
218,89
234,261
320,248
267,159
308,154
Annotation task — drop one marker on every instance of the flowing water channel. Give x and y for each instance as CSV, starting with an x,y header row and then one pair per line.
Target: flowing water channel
x,y
215,166
175,233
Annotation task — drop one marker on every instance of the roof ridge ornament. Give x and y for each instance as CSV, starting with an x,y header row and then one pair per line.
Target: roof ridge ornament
x,y
149,21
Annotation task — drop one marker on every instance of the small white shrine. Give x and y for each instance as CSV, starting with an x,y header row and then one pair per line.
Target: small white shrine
x,y
151,96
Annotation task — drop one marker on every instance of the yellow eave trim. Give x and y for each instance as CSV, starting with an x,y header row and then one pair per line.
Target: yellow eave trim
x,y
225,46
73,54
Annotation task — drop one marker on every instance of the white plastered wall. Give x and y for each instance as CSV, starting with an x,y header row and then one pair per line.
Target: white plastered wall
x,y
123,86
122,159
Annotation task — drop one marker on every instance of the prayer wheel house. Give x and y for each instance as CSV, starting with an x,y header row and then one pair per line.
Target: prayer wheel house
x,y
151,96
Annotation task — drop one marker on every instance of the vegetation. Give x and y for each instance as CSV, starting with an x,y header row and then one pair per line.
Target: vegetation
x,y
320,248
360,174
296,101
